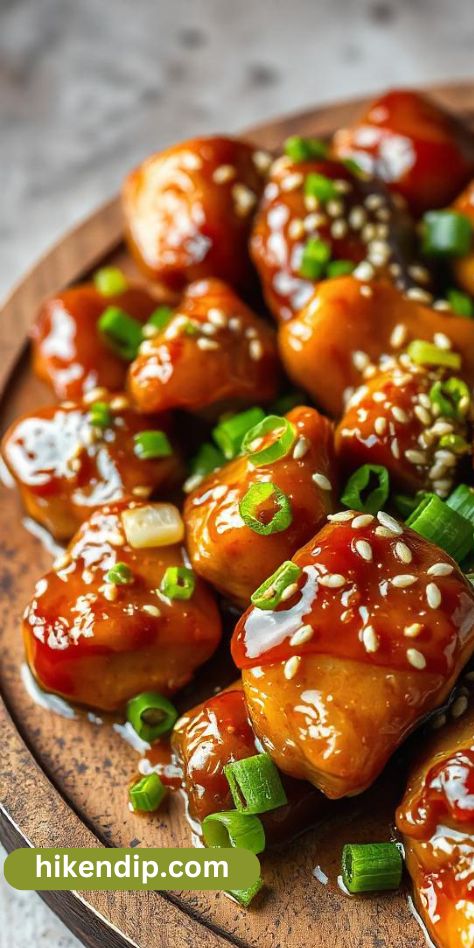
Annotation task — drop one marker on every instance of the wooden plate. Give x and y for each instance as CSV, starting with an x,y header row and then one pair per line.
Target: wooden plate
x,y
65,781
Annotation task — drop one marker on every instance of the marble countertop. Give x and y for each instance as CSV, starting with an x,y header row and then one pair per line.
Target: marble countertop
x,y
87,89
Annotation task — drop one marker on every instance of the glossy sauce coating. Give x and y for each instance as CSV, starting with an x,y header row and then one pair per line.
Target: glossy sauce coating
x,y
436,818
66,467
361,222
100,644
391,420
216,733
422,151
188,210
348,324
374,637
68,350
463,267
230,554
213,350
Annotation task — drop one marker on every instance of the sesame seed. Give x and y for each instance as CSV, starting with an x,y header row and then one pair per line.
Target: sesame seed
x,y
207,344
387,521
364,271
419,273
403,580
367,291
291,667
422,414
332,580
433,596
151,610
400,415
334,208
373,201
459,706
437,471
342,516
217,317
370,639
442,341
416,658
141,491
364,550
119,403
292,181
362,520
395,448
384,532
439,720
415,457
357,217
208,329
94,395
411,631
360,360
378,397
262,160
75,464
302,635
440,569
368,233
301,448
424,400
419,295
296,228
255,350
380,425
403,552
342,186
289,592
398,336
244,199
115,538
224,173
313,221
441,305
322,481
192,482
109,591
338,229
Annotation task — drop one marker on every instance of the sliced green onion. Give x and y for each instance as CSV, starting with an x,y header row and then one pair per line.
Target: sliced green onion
x,y
451,397
426,353
110,281
179,582
320,186
147,794
120,575
230,432
256,496
287,401
337,268
442,525
160,317
405,504
122,332
446,233
269,593
355,168
470,578
454,443
462,501
190,328
152,444
460,303
371,867
100,415
285,437
304,149
367,488
316,255
207,459
231,828
255,784
151,715
245,896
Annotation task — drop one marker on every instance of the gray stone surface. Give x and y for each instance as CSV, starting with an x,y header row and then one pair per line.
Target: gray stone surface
x,y
88,87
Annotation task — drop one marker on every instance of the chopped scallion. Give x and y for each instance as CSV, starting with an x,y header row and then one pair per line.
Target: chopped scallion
x,y
257,498
460,303
231,828
452,397
320,186
152,444
338,268
367,488
446,233
110,281
122,332
160,317
426,353
269,593
316,255
255,784
100,415
371,867
119,574
207,459
147,794
305,149
441,524
462,501
284,437
151,715
230,432
179,582
245,896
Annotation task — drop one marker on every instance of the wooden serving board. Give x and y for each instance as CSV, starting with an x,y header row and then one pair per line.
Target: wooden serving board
x,y
64,781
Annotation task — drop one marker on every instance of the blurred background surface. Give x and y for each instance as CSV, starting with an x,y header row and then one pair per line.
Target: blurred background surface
x,y
89,87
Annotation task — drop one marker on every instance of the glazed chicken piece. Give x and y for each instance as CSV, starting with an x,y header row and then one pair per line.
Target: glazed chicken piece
x,y
100,629
411,419
213,350
69,352
463,267
372,636
188,211
216,733
69,459
421,151
300,490
436,818
319,219
349,324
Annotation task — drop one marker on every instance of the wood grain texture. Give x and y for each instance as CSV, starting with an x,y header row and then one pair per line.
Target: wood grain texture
x,y
64,781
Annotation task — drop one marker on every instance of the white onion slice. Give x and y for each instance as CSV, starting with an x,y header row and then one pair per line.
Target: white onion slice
x,y
153,525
